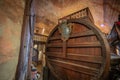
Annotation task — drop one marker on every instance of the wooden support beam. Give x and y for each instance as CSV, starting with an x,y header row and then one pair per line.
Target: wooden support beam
x,y
26,36
64,48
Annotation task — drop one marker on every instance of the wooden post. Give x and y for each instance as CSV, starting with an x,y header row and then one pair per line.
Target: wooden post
x,y
26,36
64,48
30,62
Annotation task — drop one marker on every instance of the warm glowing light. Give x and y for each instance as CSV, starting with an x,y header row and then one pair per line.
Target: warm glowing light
x,y
35,46
43,30
102,25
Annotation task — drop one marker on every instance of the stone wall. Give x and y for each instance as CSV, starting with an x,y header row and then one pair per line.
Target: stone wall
x,y
11,17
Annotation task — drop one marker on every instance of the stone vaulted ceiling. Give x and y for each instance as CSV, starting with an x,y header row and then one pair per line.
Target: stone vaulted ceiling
x,y
49,11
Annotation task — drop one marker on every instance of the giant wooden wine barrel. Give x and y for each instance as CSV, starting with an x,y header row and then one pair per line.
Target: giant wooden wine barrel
x,y
84,55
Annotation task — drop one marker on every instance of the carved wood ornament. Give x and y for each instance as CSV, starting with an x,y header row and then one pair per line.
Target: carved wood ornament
x,y
65,29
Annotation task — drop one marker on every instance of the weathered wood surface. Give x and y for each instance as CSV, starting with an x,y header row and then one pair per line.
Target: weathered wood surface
x,y
23,67
84,56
